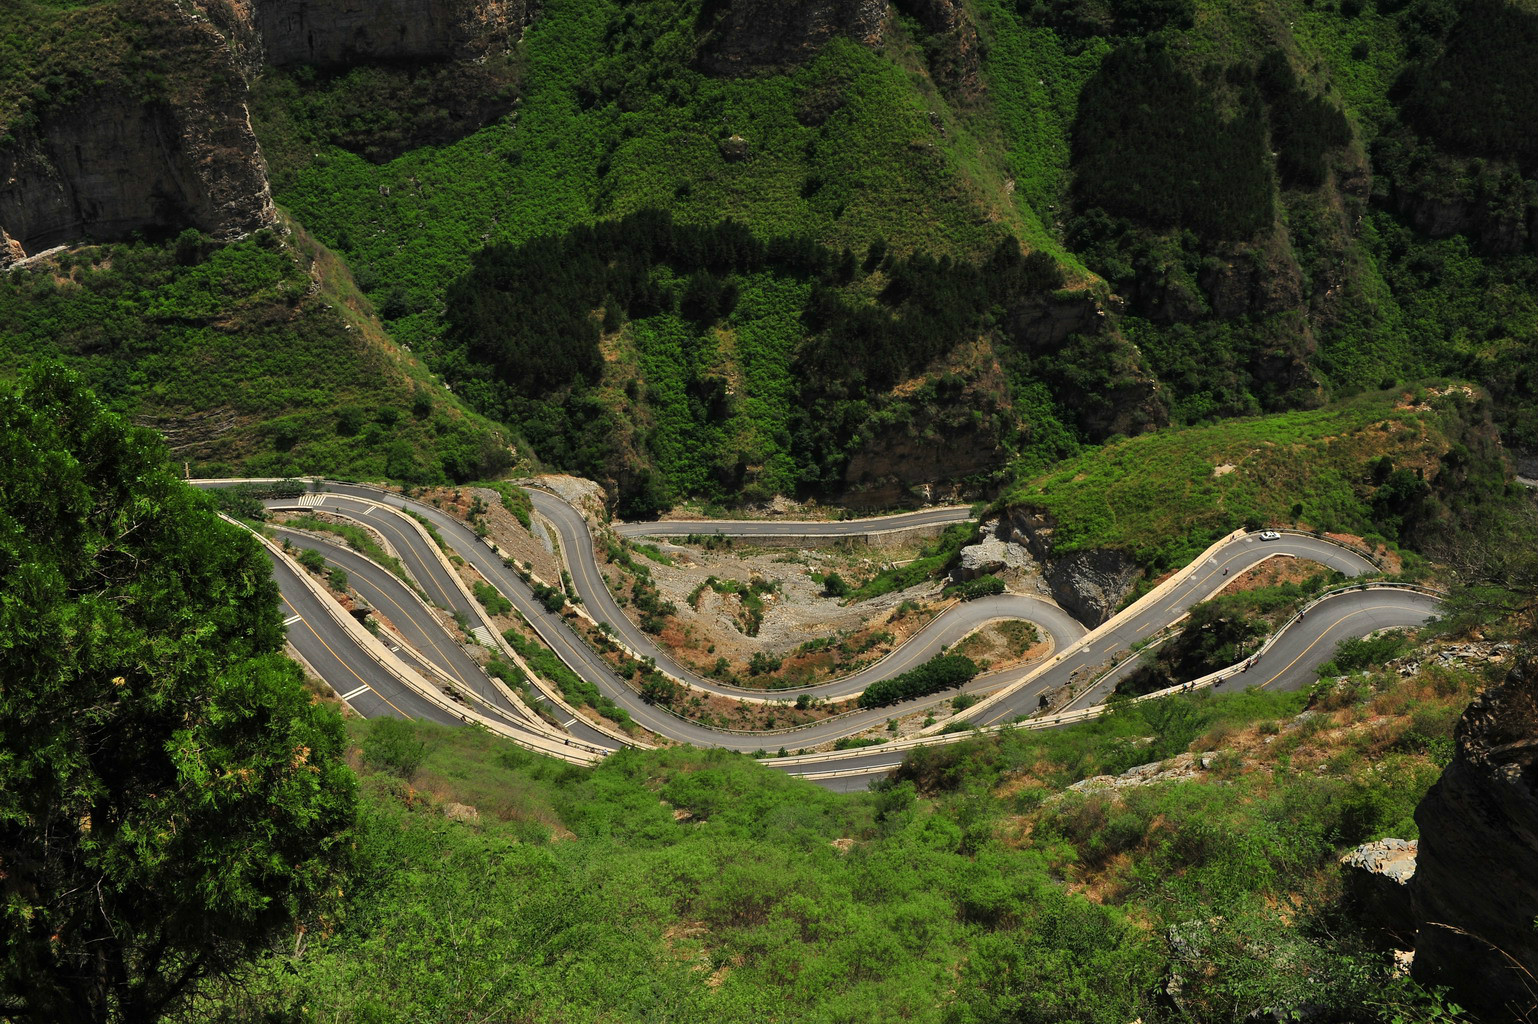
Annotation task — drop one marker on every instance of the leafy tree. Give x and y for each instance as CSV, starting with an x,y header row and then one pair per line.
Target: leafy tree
x,y
170,796
938,673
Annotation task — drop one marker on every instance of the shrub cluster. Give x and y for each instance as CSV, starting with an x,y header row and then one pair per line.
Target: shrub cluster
x,y
936,674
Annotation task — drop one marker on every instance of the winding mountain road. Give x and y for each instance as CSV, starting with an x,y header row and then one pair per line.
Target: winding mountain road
x,y
1080,655
875,525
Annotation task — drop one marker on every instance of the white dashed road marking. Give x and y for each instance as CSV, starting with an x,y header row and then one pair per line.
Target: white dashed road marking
x,y
354,693
292,619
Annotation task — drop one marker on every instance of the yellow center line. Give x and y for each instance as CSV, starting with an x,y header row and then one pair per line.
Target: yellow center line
x,y
400,531
1321,636
448,665
348,667
427,634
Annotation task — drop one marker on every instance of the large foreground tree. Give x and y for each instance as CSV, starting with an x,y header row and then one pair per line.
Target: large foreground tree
x,y
170,796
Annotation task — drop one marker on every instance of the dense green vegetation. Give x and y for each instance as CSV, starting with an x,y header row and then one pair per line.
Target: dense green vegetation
x,y
971,590
1174,160
696,886
702,398
1209,161
171,796
526,329
1374,465
1243,134
224,350
942,672
41,65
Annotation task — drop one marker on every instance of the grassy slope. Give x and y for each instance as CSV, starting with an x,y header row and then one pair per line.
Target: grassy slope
x,y
1156,496
691,886
232,355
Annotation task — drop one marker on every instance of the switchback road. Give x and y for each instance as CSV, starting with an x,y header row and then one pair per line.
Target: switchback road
x,y
1081,656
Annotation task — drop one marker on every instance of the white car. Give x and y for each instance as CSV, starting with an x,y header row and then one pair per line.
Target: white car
x,y
1270,535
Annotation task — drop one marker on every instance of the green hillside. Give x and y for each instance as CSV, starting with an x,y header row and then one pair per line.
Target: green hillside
x,y
1252,207
693,886
1418,467
1241,175
858,153
259,357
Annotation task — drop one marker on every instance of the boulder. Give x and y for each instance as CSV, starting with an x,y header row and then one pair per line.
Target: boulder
x,y
1377,879
461,812
993,553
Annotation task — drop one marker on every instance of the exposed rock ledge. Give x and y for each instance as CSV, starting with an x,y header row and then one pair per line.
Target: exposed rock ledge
x,y
111,164
333,32
1091,585
1476,886
1378,880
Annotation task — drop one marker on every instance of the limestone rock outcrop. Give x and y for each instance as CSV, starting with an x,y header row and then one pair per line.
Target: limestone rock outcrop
x,y
1377,879
112,163
1476,885
1090,585
327,33
10,250
746,36
992,553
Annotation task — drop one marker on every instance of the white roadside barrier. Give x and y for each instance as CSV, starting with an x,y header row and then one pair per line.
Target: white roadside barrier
x,y
572,750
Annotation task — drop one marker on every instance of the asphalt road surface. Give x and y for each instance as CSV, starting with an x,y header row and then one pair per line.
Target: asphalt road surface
x,y
943,516
1291,662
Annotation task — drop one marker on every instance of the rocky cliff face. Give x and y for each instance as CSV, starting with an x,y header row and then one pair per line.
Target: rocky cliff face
x,y
745,36
1090,585
181,153
954,52
113,163
1476,884
327,33
896,463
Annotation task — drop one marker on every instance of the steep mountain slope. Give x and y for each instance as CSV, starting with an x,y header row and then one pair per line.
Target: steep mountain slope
x,y
235,334
1214,166
1251,207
